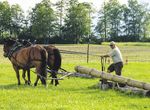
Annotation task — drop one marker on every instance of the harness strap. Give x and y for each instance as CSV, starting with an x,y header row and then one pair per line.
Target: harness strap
x,y
28,64
17,46
50,54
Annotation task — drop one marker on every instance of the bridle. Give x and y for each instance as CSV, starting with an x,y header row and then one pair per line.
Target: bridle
x,y
15,47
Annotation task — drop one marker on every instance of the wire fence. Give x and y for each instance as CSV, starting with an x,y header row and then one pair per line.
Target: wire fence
x,y
79,53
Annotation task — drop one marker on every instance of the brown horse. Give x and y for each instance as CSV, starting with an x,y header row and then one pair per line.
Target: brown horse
x,y
25,58
53,61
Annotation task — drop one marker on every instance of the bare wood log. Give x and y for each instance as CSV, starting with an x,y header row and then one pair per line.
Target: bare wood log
x,y
111,77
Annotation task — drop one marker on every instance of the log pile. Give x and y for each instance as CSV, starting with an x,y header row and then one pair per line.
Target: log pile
x,y
111,77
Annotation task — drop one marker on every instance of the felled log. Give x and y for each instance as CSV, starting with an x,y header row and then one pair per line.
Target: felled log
x,y
134,90
111,77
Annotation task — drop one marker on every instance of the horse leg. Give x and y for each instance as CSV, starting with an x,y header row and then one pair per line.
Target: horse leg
x,y
56,80
41,75
55,76
37,79
28,74
52,81
24,75
17,74
52,74
43,81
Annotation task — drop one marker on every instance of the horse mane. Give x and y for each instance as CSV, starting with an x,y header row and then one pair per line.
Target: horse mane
x,y
9,41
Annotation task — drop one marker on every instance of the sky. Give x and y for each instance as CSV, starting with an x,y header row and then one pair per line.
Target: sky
x,y
28,4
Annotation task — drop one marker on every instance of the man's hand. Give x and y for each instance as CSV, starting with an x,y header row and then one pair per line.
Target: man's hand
x,y
101,55
104,56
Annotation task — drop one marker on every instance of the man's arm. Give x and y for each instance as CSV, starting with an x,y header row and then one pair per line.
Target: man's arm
x,y
105,55
110,54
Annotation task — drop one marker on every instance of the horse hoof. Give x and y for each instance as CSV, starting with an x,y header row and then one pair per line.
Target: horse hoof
x,y
56,84
148,93
51,83
46,86
29,82
26,82
35,84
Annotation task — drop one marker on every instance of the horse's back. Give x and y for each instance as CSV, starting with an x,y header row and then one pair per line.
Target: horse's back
x,y
37,52
49,48
29,55
54,57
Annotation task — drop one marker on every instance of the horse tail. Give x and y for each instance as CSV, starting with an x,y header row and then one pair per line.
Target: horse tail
x,y
43,66
57,61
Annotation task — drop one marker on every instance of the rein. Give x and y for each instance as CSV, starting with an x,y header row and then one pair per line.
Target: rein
x,y
27,65
17,46
61,78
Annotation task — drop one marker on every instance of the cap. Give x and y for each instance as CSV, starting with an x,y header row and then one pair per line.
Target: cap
x,y
112,43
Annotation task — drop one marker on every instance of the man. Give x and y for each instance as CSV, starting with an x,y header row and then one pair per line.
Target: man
x,y
117,64
117,59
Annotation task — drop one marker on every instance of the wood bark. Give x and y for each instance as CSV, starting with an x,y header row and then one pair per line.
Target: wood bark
x,y
111,77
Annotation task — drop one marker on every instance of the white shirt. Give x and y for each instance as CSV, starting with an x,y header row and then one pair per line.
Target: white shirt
x,y
116,55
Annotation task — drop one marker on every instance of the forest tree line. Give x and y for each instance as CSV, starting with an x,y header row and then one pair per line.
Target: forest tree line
x,y
69,21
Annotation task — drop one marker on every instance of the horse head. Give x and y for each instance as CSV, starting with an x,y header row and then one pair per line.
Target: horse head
x,y
8,43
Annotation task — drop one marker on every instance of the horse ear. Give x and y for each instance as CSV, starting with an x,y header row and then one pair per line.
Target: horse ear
x,y
34,42
17,40
5,39
28,40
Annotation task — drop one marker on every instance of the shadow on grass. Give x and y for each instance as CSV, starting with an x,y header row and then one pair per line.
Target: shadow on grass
x,y
123,93
13,86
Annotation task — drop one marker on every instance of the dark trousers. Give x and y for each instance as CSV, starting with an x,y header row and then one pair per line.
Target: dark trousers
x,y
117,67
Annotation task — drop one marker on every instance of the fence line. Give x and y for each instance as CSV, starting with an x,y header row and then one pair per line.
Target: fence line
x,y
127,59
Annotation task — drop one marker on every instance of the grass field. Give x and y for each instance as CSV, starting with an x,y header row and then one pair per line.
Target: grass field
x,y
76,93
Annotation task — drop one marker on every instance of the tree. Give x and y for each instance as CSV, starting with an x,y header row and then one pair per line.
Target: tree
x,y
123,22
78,21
102,24
10,19
5,17
60,6
132,20
115,17
145,22
136,20
17,19
110,20
43,19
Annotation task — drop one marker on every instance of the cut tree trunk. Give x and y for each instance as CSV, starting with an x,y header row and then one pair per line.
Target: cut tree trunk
x,y
111,77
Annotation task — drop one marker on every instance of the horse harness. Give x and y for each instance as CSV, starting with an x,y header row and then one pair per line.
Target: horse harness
x,y
16,47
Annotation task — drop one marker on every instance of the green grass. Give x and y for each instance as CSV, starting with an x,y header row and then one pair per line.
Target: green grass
x,y
130,43
73,93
